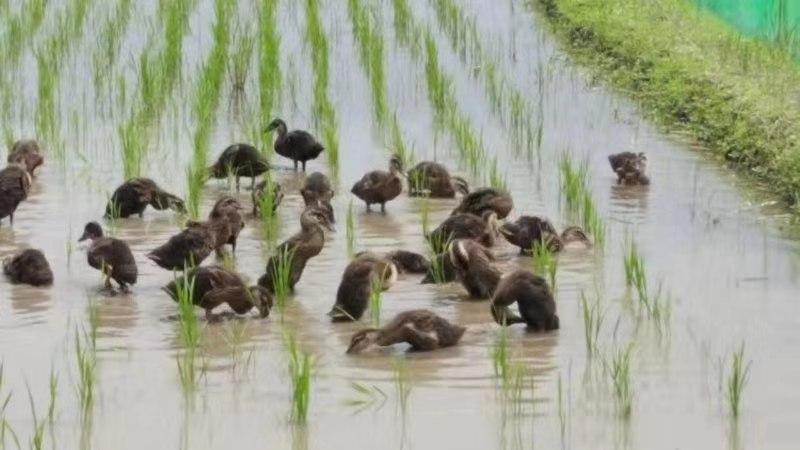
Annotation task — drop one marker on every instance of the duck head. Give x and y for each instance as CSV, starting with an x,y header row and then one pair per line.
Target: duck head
x,y
276,124
91,231
172,202
316,216
261,299
575,234
363,340
396,165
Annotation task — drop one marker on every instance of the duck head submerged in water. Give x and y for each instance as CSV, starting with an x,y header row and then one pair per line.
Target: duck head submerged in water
x,y
422,329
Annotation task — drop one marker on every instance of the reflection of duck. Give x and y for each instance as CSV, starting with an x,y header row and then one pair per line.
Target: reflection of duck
x,y
422,329
133,196
380,186
239,160
27,153
297,145
357,282
630,168
474,268
533,298
431,179
465,226
298,249
28,267
528,230
212,286
15,183
111,256
486,199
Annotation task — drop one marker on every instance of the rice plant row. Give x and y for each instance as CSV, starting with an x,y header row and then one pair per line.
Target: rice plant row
x,y
111,33
269,73
576,192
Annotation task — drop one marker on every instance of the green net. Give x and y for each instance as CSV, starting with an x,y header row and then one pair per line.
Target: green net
x,y
775,20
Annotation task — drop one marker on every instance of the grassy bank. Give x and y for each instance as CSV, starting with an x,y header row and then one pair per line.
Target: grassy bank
x,y
737,96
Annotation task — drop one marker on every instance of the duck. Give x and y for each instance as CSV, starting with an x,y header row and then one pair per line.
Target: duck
x,y
135,194
409,262
297,145
226,221
239,160
534,300
212,286
300,248
481,200
528,230
431,179
473,264
188,248
465,226
317,192
424,330
27,153
358,279
15,184
28,266
258,194
111,256
380,186
441,270
630,168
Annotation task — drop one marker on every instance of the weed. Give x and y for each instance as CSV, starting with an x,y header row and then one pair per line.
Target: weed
x,y
350,230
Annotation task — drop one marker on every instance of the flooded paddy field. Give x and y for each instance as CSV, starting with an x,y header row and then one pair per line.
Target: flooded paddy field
x,y
128,88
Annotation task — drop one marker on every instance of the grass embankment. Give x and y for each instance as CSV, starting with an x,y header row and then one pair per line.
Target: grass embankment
x,y
737,96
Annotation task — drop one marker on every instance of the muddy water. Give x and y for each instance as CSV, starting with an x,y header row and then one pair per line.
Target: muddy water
x,y
729,266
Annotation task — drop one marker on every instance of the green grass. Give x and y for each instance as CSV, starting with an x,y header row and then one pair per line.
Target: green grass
x,y
36,441
86,359
577,195
376,302
618,368
269,71
189,333
369,38
593,317
350,230
300,372
110,39
545,261
281,277
695,73
241,59
737,379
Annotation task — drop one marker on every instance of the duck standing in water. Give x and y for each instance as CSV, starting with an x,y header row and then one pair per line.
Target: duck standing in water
x,y
533,298
363,272
212,286
226,221
486,199
134,195
474,269
422,329
239,160
630,168
259,192
111,256
15,183
431,179
299,249
318,192
465,226
380,186
298,145
27,153
189,247
28,267
526,231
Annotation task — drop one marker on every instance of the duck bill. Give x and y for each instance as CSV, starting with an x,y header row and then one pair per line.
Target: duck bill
x,y
83,237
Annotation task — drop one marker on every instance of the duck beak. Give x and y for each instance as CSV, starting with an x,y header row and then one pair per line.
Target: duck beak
x,y
83,237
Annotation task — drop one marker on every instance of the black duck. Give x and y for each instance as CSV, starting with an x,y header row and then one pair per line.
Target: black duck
x,y
299,249
630,168
420,328
533,298
465,226
298,145
528,230
357,282
409,262
380,186
15,183
431,179
28,267
189,247
474,268
239,160
111,256
27,153
258,196
134,195
212,286
486,199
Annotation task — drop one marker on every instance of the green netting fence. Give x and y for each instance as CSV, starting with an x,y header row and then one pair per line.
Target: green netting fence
x,y
775,20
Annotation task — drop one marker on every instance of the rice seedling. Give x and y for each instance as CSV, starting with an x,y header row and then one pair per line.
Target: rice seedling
x,y
366,396
375,302
51,409
736,381
497,180
235,334
5,427
562,410
300,367
240,61
578,198
619,370
593,318
195,180
370,41
86,359
189,331
545,261
424,215
282,272
398,145
37,440
633,263
350,230
500,354
402,384
267,210
269,73
109,43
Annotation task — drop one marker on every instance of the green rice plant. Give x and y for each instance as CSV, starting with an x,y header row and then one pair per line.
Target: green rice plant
x,y
5,427
635,271
402,384
51,409
497,180
241,60
398,145
376,302
300,367
188,322
736,381
366,396
109,42
562,410
545,261
619,371
269,73
281,276
424,215
350,230
578,198
593,318
235,334
37,440
501,355
267,210
86,359
370,41
195,180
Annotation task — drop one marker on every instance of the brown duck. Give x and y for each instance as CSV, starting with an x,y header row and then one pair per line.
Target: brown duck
x,y
630,168
299,248
212,286
15,183
465,226
486,199
226,221
298,145
528,230
534,300
27,153
111,256
354,290
259,192
239,160
420,328
380,186
189,247
28,267
409,262
134,195
474,269
431,179
318,192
